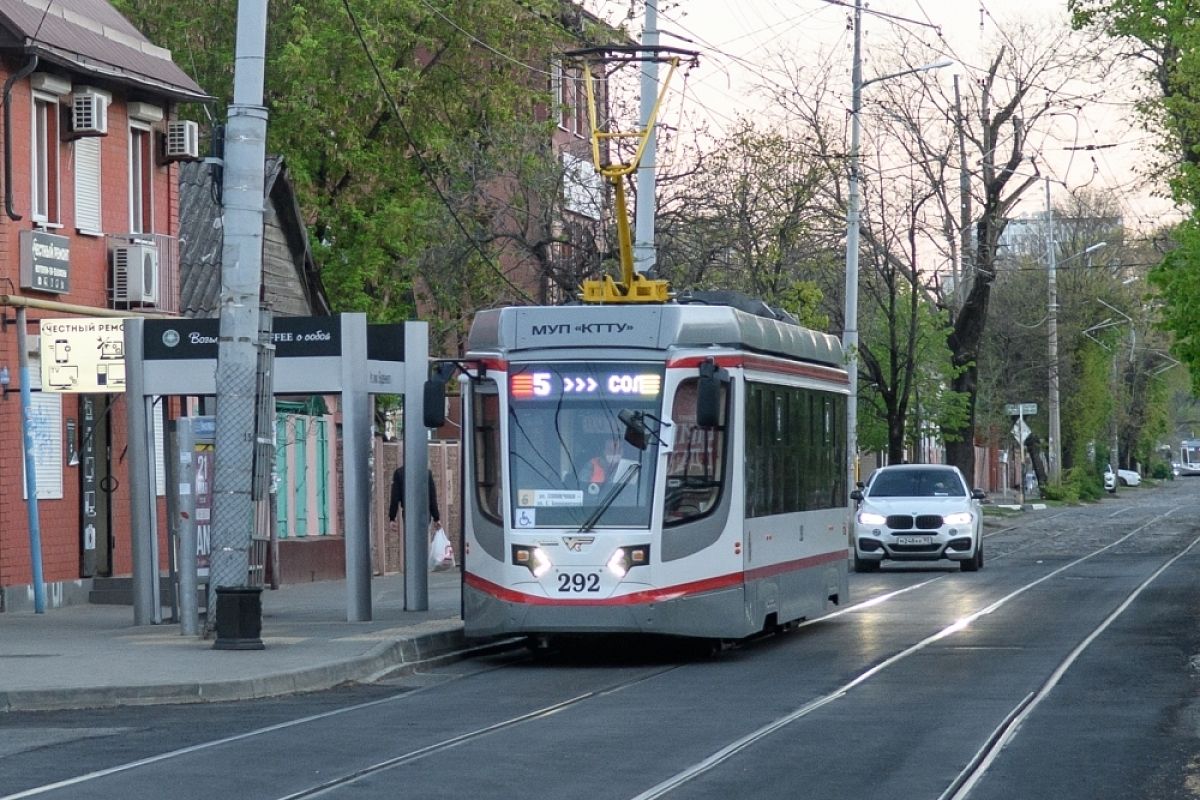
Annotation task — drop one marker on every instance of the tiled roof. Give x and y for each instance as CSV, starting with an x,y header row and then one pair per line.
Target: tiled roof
x,y
92,36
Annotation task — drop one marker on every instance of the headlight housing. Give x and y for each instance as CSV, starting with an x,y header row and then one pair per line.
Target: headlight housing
x,y
534,558
961,518
871,518
626,558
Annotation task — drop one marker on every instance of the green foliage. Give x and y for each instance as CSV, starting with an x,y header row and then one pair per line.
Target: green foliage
x,y
1178,279
905,395
1087,411
375,167
1080,483
1161,471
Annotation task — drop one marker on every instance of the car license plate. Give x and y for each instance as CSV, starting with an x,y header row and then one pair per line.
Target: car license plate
x,y
914,540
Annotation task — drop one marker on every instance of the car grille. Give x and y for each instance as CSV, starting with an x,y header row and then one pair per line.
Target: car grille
x,y
906,522
914,548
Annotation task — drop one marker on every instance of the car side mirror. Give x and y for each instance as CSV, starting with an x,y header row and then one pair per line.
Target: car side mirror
x,y
856,495
978,494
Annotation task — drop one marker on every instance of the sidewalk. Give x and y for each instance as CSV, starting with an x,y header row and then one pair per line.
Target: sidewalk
x,y
92,656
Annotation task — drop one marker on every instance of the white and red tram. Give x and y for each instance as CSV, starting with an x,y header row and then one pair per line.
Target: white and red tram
x,y
658,468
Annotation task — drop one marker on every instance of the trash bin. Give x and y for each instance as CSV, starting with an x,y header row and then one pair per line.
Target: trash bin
x,y
239,618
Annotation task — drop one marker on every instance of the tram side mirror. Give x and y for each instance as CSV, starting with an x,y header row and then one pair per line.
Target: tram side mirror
x,y
434,401
708,395
635,427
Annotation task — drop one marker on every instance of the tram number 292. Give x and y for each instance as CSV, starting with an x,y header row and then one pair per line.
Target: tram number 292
x,y
578,582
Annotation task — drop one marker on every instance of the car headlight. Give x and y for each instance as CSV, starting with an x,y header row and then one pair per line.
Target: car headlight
x,y
871,518
534,558
961,518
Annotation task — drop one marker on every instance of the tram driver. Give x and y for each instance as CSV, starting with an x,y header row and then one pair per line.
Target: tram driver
x,y
610,464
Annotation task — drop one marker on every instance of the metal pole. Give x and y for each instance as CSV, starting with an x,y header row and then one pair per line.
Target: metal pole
x,y
241,278
141,490
357,476
1055,438
416,465
189,610
643,248
31,501
850,324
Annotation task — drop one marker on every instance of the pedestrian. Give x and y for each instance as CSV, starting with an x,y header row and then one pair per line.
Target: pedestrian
x,y
396,501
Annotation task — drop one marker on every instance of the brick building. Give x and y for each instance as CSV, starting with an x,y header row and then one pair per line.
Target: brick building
x,y
91,148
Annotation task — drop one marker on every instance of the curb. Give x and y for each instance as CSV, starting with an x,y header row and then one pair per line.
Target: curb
x,y
404,654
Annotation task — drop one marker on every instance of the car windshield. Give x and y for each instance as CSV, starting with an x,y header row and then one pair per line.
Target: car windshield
x,y
917,483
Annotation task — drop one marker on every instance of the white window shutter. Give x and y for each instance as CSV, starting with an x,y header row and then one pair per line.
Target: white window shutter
x,y
160,469
46,418
87,185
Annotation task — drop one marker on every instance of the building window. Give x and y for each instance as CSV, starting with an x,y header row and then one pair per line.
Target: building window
x,y
141,175
44,170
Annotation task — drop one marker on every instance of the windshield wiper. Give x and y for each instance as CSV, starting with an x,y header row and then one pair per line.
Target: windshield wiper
x,y
619,484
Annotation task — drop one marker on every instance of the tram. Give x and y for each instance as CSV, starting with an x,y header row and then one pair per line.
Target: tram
x,y
1189,457
673,468
643,462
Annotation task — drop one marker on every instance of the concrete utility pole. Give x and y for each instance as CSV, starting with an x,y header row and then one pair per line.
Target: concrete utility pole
x,y
1055,443
241,280
853,201
643,247
850,323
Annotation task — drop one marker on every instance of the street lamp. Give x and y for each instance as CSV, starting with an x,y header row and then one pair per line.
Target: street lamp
x,y
850,323
1055,437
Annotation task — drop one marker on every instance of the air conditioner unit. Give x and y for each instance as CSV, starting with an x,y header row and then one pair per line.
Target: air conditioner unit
x,y
183,141
89,113
135,274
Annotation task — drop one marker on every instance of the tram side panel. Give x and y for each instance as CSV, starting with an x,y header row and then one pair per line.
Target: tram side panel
x,y
795,500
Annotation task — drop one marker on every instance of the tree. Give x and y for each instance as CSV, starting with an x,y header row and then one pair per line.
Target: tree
x,y
1164,39
396,117
745,219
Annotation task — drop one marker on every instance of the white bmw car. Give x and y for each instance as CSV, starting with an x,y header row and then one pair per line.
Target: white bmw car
x,y
918,512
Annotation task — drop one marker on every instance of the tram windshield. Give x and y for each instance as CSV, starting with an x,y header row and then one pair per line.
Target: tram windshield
x,y
569,462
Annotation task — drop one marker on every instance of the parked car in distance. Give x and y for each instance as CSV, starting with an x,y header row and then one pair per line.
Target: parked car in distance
x,y
918,512
1120,477
1110,479
1129,477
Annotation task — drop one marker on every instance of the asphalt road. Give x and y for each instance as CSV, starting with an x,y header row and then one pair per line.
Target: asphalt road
x,y
1067,668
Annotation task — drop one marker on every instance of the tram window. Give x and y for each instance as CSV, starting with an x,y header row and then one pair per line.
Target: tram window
x,y
696,466
486,419
797,464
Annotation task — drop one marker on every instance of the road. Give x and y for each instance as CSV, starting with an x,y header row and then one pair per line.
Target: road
x,y
1066,669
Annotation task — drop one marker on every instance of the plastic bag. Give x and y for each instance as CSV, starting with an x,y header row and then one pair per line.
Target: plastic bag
x,y
441,552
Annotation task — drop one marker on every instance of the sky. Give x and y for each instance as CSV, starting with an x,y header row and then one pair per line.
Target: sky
x,y
740,41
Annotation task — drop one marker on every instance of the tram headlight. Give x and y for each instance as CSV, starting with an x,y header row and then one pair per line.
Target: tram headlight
x,y
533,558
871,518
626,558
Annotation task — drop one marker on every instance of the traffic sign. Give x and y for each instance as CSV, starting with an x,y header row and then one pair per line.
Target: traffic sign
x,y
1020,431
1021,409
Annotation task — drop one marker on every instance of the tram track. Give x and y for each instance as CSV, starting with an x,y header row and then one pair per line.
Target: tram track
x,y
959,789
995,743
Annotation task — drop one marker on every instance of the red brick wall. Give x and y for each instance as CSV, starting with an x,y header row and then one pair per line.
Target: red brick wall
x,y
59,519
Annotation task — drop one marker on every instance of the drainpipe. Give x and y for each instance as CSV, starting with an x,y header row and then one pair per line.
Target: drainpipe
x,y
8,84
